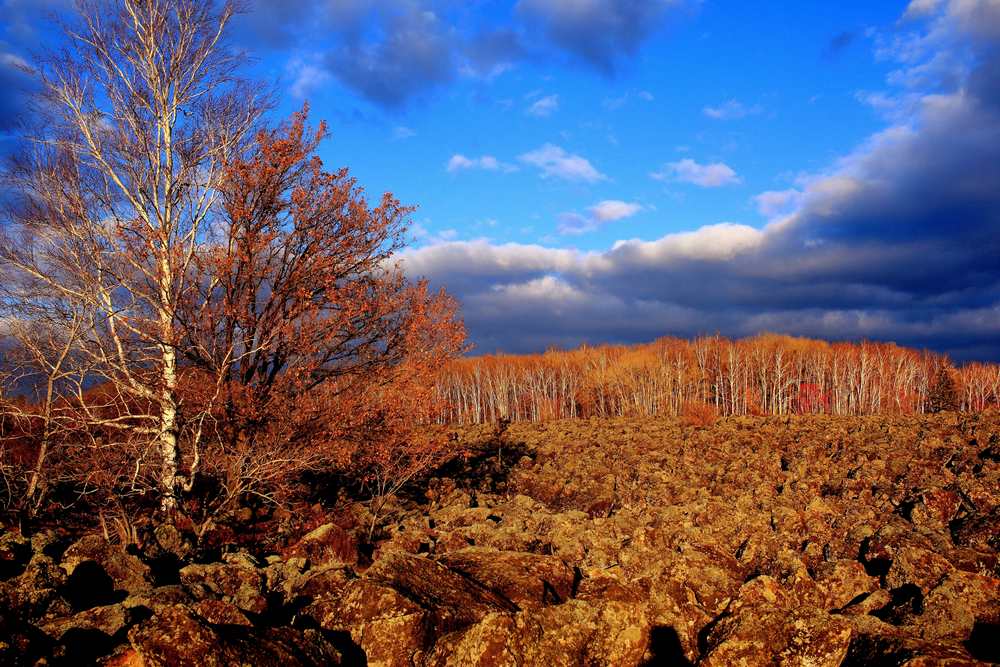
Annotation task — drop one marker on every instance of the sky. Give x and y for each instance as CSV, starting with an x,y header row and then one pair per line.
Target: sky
x,y
591,171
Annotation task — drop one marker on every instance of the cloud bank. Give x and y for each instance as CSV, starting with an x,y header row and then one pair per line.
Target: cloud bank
x,y
896,240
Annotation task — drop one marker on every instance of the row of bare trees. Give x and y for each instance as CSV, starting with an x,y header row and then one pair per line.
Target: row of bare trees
x,y
194,309
767,374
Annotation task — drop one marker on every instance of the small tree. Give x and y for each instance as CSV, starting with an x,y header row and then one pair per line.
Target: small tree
x,y
302,338
943,394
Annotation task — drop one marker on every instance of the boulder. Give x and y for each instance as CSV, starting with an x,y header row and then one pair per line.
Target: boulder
x,y
936,508
390,629
920,567
328,543
15,552
570,634
237,582
177,637
953,609
328,580
807,638
108,620
160,598
454,601
528,580
764,625
219,612
843,582
170,540
37,590
89,635
97,569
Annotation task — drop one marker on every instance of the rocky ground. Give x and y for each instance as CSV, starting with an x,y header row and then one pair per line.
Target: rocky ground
x,y
805,541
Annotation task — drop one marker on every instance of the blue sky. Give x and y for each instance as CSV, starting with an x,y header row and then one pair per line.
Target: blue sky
x,y
771,77
619,170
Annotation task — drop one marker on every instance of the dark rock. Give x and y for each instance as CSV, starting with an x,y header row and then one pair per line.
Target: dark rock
x,y
453,600
390,628
239,583
575,633
176,637
328,543
15,552
126,573
528,580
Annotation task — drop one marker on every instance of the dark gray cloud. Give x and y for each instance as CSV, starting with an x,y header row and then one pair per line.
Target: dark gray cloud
x,y
392,51
415,52
274,24
839,43
386,51
24,24
601,33
492,51
18,83
898,240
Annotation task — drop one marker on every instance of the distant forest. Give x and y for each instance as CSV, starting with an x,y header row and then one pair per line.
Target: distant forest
x,y
764,375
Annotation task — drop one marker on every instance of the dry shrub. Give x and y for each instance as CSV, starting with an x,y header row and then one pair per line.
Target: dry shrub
x,y
698,413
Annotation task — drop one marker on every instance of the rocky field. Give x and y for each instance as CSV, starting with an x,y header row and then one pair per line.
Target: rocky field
x,y
803,541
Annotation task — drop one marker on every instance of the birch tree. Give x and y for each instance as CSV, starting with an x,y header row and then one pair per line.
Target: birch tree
x,y
137,117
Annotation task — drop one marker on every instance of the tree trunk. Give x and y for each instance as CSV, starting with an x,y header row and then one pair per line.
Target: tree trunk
x,y
168,432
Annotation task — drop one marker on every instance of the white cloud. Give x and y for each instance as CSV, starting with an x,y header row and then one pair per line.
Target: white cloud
x,y
544,288
425,237
401,132
979,18
555,162
599,214
773,203
309,79
12,60
722,241
544,107
610,210
459,162
712,175
731,110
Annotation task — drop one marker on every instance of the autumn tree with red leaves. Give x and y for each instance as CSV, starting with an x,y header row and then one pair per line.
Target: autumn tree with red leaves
x,y
304,344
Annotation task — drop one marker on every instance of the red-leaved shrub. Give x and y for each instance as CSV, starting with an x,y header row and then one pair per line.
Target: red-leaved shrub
x,y
698,413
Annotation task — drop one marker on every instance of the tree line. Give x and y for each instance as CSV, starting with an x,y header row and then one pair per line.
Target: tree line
x,y
763,375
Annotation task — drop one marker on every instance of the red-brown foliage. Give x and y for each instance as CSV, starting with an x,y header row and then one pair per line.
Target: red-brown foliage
x,y
698,413
304,345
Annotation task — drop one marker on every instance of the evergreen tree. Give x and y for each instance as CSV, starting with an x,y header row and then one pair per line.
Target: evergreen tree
x,y
943,395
